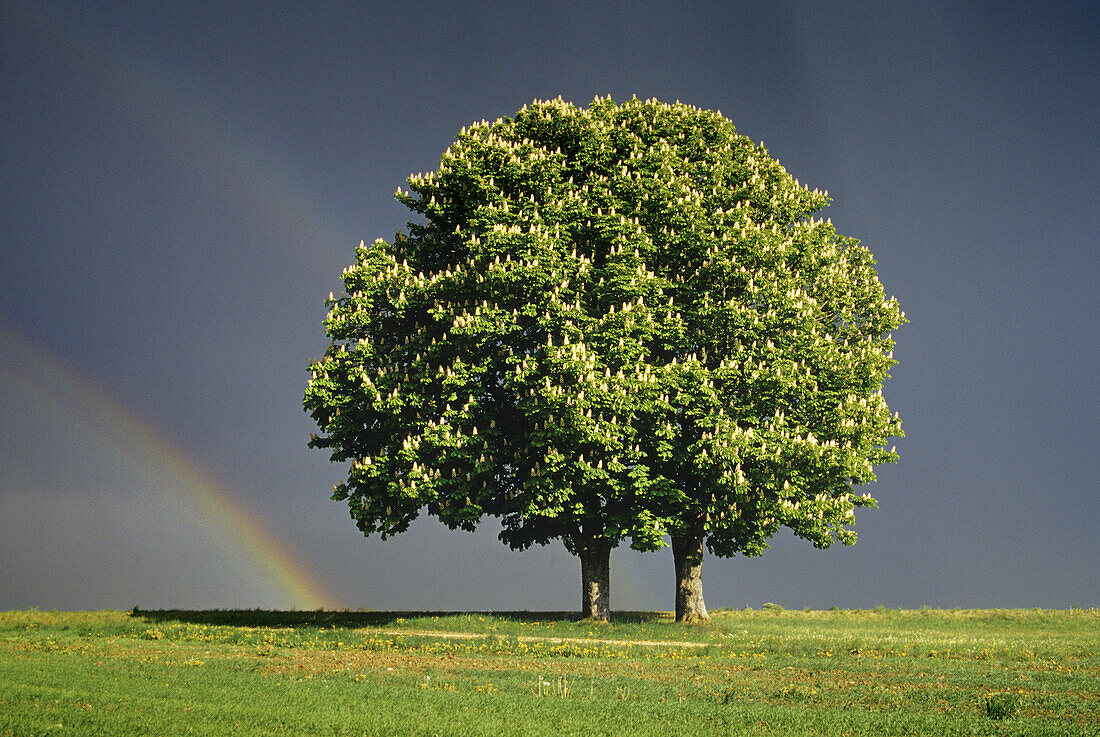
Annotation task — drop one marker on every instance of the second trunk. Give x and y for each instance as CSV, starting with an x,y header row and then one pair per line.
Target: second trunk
x,y
595,555
687,552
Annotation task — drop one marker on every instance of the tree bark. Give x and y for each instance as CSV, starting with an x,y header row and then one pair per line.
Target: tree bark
x,y
687,552
595,554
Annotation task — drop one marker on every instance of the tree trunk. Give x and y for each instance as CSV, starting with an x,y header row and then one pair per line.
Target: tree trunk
x,y
595,554
687,552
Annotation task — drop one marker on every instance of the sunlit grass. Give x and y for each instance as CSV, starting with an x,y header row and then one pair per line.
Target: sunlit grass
x,y
747,672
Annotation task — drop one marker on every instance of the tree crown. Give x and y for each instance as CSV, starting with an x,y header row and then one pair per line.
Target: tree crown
x,y
619,321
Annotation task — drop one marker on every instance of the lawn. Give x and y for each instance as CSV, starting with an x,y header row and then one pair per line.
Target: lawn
x,y
769,672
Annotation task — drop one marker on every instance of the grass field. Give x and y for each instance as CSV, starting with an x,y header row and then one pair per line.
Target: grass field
x,y
774,672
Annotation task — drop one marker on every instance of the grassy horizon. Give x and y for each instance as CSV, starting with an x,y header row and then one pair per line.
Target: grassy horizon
x,y
769,671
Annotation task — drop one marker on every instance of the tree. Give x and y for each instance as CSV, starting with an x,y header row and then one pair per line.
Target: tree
x,y
777,411
611,324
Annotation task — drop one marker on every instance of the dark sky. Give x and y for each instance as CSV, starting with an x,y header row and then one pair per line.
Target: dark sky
x,y
183,182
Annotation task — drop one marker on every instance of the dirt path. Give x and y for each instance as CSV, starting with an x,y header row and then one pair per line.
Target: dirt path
x,y
533,638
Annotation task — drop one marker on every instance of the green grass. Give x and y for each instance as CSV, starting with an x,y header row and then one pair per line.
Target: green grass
x,y
881,672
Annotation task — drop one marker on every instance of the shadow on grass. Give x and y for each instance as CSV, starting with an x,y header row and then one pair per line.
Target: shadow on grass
x,y
353,619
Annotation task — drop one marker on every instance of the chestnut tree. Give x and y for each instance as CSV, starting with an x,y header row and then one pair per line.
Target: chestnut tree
x,y
610,324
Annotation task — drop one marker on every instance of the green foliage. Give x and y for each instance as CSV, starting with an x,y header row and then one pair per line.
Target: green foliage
x,y
609,322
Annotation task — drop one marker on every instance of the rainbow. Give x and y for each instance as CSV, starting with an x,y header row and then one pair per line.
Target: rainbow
x,y
188,127
60,387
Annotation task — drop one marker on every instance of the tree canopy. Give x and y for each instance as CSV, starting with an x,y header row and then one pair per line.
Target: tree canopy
x,y
609,324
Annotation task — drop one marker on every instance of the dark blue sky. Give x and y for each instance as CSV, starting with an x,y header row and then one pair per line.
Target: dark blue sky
x,y
183,182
